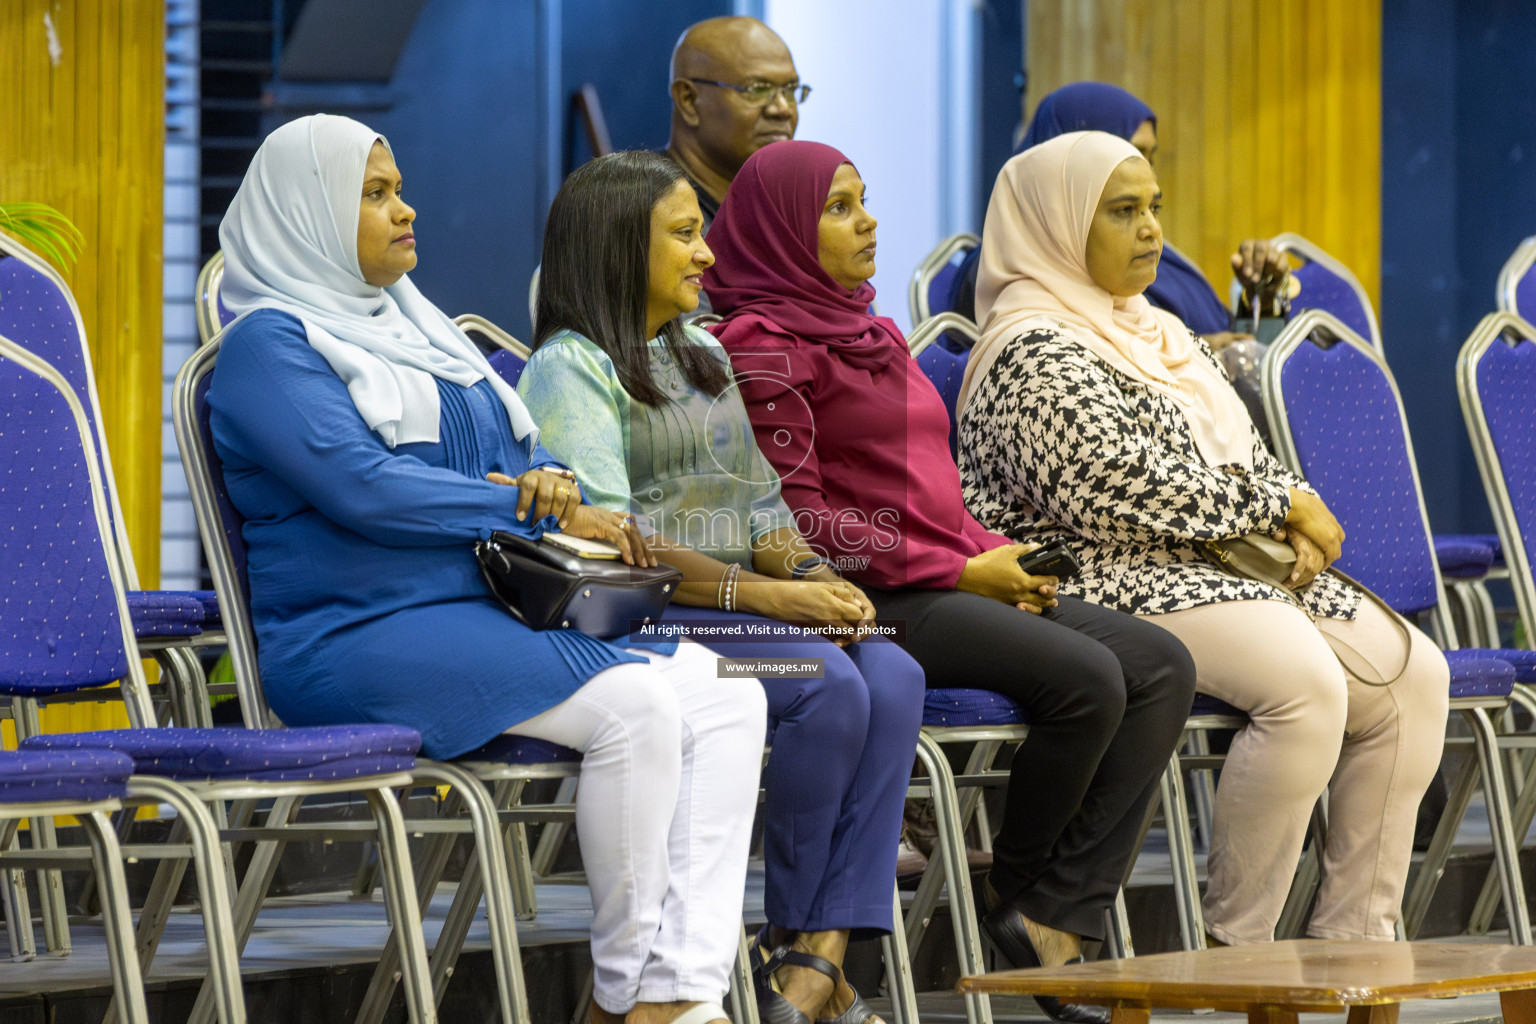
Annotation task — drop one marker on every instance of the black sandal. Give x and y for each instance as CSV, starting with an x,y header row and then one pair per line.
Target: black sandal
x,y
772,1007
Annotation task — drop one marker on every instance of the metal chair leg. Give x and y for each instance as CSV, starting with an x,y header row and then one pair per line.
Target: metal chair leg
x,y
552,835
951,847
43,836
487,874
1416,906
248,900
1118,934
898,967
1506,849
199,827
400,897
1522,814
17,904
1309,875
117,919
742,995
1197,743
1186,882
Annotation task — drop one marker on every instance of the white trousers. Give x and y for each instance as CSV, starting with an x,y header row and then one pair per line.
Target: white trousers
x,y
1375,748
664,817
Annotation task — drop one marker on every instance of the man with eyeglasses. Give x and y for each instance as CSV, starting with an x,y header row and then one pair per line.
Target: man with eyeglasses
x,y
734,90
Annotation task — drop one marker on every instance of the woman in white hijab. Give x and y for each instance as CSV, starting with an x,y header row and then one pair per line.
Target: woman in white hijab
x,y
368,445
1092,418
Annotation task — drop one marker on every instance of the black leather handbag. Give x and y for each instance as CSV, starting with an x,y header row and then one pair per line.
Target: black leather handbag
x,y
547,587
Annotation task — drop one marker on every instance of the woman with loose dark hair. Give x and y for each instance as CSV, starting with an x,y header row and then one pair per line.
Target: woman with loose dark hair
x,y
598,288
648,412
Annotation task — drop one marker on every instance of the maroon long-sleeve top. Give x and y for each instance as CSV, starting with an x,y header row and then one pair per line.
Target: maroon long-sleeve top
x,y
860,440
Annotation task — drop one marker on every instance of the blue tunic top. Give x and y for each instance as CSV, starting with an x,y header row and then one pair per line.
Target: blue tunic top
x,y
365,594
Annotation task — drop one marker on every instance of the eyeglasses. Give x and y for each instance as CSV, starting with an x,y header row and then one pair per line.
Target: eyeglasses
x,y
763,92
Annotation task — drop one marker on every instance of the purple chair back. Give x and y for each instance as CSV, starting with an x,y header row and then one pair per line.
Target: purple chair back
x,y
929,292
1496,375
508,365
1327,285
64,618
1337,419
1322,289
945,369
38,313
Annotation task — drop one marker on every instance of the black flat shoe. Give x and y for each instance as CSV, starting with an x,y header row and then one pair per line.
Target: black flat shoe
x,y
1004,928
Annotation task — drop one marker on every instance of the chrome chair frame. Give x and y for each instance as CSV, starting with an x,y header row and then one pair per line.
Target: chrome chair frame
x,y
928,269
1506,292
471,322
926,333
1474,710
209,279
533,296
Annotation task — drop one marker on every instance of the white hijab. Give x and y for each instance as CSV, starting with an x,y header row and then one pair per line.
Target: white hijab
x,y
290,243
1033,266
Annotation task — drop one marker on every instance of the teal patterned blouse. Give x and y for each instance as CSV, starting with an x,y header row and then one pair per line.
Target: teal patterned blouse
x,y
690,469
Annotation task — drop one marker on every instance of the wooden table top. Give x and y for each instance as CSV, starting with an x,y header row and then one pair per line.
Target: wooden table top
x,y
1305,974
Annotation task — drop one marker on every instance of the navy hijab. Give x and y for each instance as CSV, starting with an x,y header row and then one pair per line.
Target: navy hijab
x,y
1180,288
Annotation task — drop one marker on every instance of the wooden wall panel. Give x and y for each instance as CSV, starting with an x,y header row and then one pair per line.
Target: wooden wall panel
x,y
82,127
1269,113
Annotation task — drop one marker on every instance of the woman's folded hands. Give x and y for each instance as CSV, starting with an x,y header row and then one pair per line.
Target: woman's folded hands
x,y
996,574
839,610
1315,535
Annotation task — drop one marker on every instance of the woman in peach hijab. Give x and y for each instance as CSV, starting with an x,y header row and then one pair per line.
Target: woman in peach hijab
x,y
1092,418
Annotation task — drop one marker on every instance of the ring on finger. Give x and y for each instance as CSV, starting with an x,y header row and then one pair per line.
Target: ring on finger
x,y
561,490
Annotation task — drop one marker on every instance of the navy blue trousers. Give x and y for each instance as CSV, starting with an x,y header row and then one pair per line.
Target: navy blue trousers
x,y
836,781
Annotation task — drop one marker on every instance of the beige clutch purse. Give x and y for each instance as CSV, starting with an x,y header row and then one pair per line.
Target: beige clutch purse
x,y
1257,556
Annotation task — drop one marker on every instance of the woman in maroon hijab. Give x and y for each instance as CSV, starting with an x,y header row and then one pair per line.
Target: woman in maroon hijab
x,y
860,439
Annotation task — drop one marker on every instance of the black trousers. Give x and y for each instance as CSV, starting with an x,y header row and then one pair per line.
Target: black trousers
x,y
1106,696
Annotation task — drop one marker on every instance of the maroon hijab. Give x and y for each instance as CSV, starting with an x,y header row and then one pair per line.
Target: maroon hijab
x,y
766,269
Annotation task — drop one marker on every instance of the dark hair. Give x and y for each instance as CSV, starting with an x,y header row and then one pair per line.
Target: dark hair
x,y
593,279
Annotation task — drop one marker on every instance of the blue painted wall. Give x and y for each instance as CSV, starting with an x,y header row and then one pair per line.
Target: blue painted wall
x,y
466,114
1002,64
1458,194
624,49
467,132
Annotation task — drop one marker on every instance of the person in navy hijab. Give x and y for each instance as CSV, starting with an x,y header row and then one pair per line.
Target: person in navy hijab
x,y
1180,288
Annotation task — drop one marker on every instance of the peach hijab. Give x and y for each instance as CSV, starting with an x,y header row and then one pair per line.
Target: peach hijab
x,y
1033,266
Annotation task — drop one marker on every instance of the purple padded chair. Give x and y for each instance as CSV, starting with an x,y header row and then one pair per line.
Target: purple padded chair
x,y
71,632
1336,418
1465,560
942,365
1496,377
928,291
90,785
38,312
507,355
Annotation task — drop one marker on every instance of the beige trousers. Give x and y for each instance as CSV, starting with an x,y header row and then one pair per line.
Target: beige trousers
x,y
1375,748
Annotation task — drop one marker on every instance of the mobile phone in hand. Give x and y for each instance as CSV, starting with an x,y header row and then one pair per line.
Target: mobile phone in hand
x,y
1053,559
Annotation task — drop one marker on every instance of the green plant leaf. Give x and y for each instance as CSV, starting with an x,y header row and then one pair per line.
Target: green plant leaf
x,y
44,229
